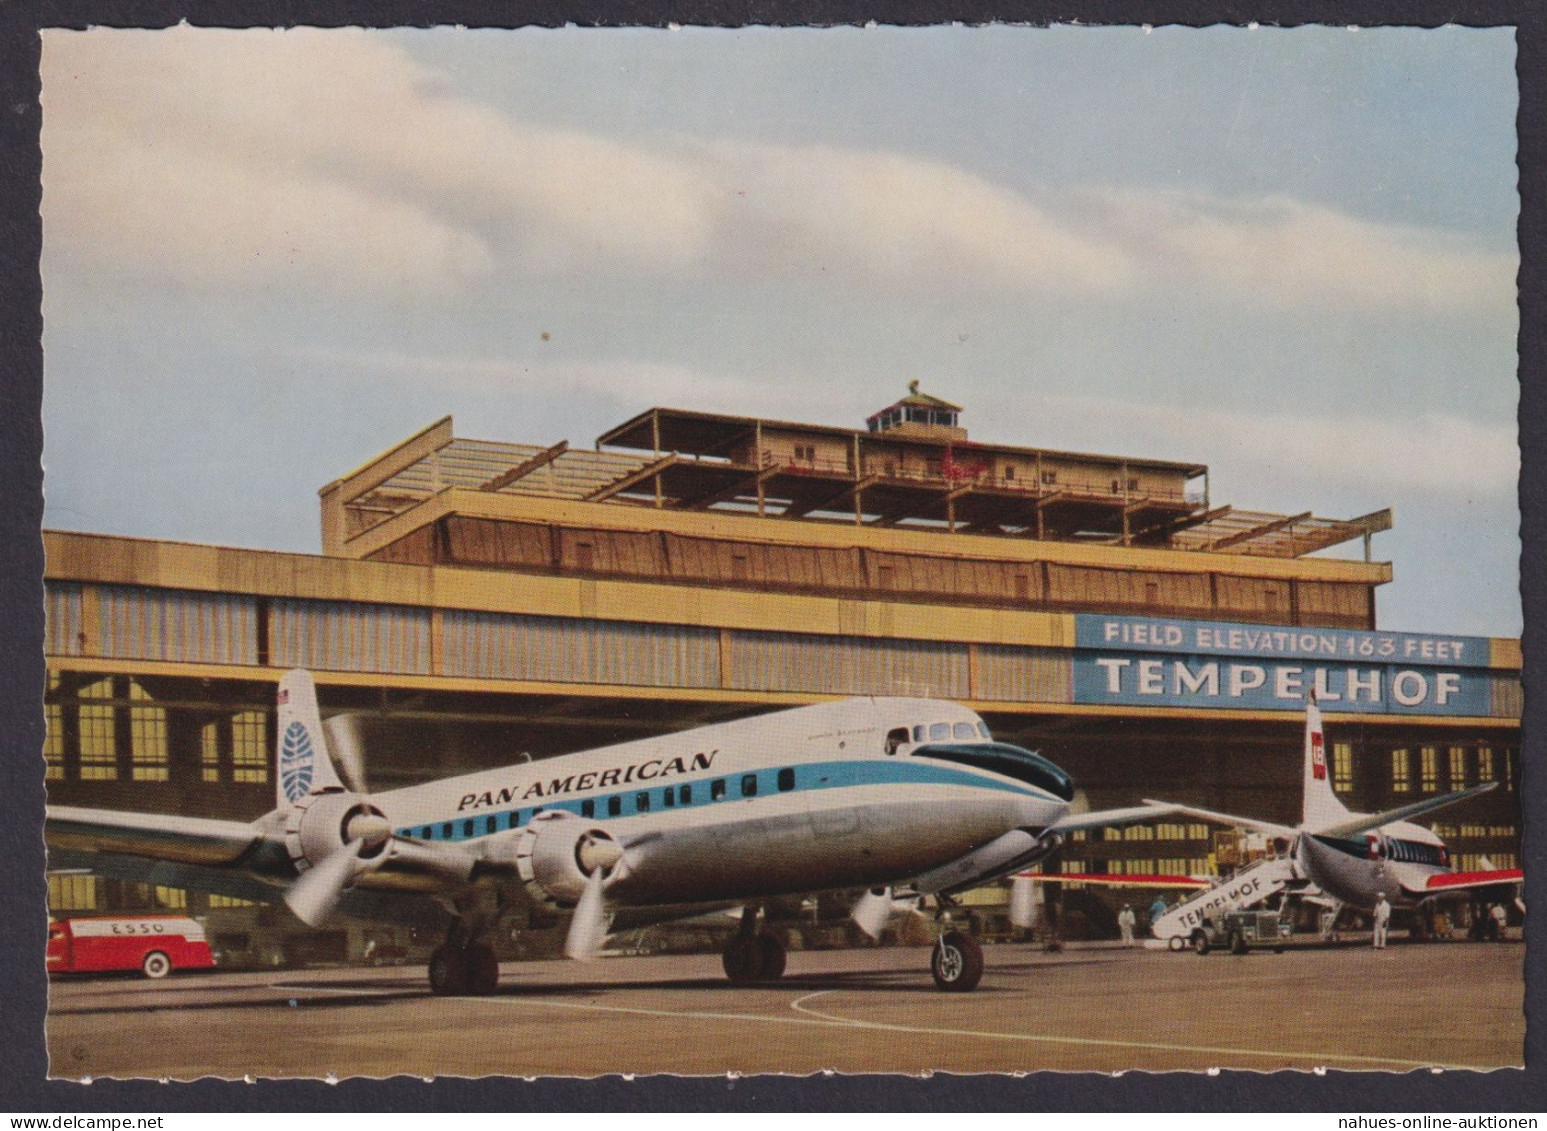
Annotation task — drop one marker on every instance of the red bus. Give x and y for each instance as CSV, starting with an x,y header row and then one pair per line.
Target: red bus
x,y
155,945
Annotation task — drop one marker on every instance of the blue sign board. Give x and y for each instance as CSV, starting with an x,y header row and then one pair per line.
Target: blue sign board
x,y
1161,662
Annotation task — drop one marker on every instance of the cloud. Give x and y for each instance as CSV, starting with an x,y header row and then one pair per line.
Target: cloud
x,y
333,162
1256,452
1280,252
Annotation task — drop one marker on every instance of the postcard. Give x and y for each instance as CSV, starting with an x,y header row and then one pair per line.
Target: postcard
x,y
873,549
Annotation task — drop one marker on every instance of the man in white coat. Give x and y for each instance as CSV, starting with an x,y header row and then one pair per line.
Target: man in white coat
x,y
1382,918
1126,920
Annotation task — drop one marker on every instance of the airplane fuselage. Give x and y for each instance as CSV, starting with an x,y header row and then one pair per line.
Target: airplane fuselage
x,y
853,793
1395,860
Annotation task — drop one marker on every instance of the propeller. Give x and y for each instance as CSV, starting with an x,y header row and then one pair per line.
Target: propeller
x,y
313,896
872,911
347,748
598,858
369,842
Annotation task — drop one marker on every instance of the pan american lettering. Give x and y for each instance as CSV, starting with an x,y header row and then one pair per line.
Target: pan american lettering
x,y
647,770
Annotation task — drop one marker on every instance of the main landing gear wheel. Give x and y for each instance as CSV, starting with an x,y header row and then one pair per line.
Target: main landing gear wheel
x,y
1200,942
771,953
956,962
483,969
156,965
448,971
743,960
464,970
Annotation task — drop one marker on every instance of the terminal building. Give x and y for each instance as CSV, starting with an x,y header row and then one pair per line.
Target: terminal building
x,y
480,601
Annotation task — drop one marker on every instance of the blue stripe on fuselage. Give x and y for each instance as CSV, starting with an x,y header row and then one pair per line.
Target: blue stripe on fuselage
x,y
808,776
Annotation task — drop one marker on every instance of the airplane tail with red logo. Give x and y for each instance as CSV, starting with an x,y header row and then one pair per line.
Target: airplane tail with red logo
x,y
1322,807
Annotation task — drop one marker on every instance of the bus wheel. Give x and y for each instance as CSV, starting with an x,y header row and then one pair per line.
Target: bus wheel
x,y
1176,942
156,965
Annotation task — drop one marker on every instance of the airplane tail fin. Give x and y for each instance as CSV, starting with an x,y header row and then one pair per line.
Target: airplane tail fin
x,y
302,749
1322,806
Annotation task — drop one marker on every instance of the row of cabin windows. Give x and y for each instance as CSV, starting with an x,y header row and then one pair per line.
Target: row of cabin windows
x,y
667,797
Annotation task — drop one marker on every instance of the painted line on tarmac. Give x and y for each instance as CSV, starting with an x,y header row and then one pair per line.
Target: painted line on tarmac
x,y
829,1021
1154,1046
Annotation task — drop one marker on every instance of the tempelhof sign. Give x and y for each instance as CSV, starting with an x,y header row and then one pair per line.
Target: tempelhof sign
x,y
1143,661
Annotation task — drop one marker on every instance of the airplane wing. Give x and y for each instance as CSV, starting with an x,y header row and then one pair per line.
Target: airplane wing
x,y
1365,822
180,840
235,858
1169,882
1449,883
1149,811
1268,827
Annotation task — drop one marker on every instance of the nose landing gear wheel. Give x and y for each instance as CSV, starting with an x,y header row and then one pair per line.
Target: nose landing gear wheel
x,y
956,962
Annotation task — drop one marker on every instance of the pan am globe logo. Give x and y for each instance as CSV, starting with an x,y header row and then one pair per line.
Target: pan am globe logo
x,y
295,762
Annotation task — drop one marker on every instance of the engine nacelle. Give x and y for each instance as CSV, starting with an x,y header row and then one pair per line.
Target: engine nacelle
x,y
319,824
557,852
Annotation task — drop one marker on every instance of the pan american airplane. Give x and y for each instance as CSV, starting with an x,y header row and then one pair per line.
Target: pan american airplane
x,y
883,796
1340,857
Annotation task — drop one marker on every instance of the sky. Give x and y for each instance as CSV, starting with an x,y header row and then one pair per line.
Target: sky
x,y
1287,254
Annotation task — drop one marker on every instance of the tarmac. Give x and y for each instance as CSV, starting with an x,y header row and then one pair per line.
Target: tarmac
x,y
1090,1008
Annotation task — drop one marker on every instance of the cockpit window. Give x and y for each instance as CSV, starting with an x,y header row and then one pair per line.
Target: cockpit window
x,y
919,732
938,732
1002,758
964,732
895,738
984,731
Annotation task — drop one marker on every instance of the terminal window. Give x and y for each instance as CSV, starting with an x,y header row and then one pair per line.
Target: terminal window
x,y
209,752
250,747
1484,763
99,739
53,742
1342,766
53,735
1401,772
1457,762
1429,768
147,737
72,893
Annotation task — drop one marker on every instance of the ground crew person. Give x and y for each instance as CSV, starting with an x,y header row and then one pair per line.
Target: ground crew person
x,y
1382,917
1500,921
1126,920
